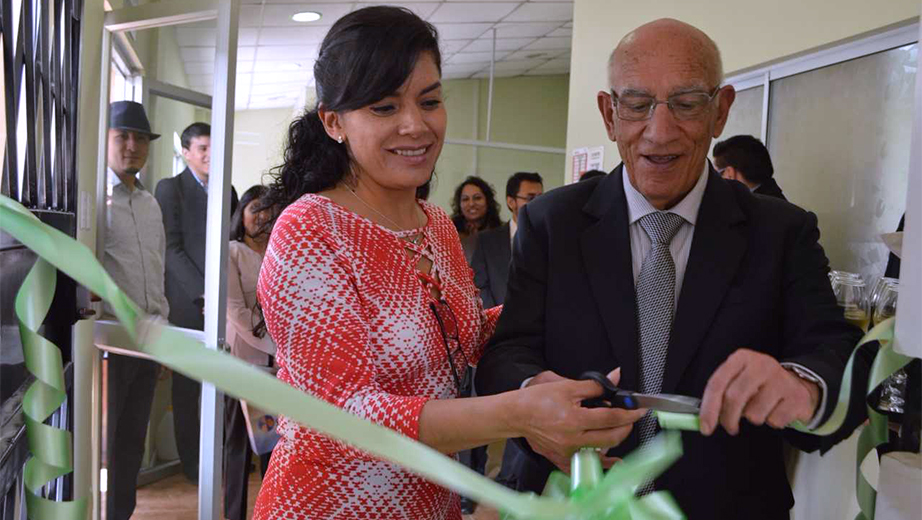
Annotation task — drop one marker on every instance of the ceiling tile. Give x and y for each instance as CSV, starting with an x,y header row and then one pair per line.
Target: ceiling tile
x,y
279,77
546,44
518,64
284,66
244,66
188,36
292,35
199,67
278,88
563,31
453,46
460,31
475,57
473,12
532,55
485,44
304,54
465,67
524,30
422,9
542,12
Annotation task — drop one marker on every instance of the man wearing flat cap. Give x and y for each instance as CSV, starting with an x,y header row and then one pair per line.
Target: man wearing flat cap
x,y
135,247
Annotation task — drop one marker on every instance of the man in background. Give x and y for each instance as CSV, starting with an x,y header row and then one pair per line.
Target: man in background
x,y
134,257
184,200
494,247
745,159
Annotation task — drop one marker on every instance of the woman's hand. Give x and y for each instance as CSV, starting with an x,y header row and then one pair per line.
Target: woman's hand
x,y
554,423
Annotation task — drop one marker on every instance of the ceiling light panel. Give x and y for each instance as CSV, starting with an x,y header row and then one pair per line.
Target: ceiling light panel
x,y
280,15
472,12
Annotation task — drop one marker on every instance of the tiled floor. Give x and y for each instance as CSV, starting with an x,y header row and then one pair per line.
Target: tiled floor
x,y
175,498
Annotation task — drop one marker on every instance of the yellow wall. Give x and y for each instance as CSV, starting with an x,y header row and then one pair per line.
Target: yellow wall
x,y
528,110
749,33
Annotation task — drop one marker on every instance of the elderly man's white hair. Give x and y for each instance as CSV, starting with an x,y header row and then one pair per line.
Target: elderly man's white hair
x,y
669,30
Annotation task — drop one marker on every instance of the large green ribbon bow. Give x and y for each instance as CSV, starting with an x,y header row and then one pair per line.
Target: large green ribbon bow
x,y
598,498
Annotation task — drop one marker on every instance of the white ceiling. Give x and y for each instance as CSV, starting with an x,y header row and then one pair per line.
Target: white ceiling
x,y
275,56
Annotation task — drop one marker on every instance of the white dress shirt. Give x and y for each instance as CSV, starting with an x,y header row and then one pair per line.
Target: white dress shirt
x,y
638,206
135,245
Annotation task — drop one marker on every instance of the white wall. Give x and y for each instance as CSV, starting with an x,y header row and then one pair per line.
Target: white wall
x,y
749,33
259,139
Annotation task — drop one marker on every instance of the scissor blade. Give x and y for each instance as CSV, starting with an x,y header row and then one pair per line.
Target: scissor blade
x,y
669,403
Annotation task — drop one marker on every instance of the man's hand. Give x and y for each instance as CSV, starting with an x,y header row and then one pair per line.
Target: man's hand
x,y
558,425
755,386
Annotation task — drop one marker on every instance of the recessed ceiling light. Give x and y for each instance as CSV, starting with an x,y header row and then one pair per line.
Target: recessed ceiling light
x,y
306,16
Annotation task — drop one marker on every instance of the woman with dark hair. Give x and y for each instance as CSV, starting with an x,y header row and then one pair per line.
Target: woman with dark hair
x,y
474,209
366,292
247,339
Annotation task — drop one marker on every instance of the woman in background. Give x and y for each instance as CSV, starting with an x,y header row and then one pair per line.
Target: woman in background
x,y
247,338
474,209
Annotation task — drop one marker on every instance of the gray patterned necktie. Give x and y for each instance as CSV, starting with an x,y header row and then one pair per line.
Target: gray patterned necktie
x,y
655,304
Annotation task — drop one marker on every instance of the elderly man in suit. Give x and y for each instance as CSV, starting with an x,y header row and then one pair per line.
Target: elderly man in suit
x,y
687,282
184,201
745,159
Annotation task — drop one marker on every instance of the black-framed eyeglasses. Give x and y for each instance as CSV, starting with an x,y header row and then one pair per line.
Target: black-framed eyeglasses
x,y
684,107
528,198
457,359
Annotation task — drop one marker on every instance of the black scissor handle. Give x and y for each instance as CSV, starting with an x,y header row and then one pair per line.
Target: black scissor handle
x,y
612,396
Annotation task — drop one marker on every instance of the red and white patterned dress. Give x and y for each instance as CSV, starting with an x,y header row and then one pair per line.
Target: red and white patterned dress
x,y
353,325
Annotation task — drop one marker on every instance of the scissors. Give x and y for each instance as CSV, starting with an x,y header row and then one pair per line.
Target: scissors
x,y
614,397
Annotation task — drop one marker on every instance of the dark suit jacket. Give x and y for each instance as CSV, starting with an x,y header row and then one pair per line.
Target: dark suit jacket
x,y
185,206
491,265
756,277
770,188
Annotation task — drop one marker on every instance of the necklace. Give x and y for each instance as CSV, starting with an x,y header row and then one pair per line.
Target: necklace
x,y
413,240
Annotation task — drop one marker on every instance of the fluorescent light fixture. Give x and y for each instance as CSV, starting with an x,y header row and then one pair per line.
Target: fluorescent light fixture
x,y
306,16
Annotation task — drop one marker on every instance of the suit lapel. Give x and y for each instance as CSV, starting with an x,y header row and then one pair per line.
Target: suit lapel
x,y
718,246
504,246
606,253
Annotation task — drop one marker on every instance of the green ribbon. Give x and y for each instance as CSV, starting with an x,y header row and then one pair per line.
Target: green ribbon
x,y
678,421
886,362
51,447
611,499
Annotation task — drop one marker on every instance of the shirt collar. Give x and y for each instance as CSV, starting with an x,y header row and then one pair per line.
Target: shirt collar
x,y
199,181
638,206
513,227
112,180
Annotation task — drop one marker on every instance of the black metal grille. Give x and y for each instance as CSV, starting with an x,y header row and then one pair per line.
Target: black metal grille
x,y
40,79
